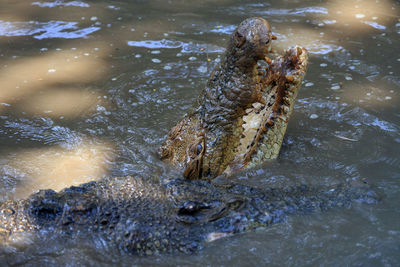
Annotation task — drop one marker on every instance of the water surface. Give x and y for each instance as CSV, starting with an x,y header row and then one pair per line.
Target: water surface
x,y
90,89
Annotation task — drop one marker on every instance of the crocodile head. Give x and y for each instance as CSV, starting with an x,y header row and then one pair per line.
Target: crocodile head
x,y
242,114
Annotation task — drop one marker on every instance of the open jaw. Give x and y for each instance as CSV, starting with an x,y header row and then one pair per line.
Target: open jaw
x,y
264,123
242,114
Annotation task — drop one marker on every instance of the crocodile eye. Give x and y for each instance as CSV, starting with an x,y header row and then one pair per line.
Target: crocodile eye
x,y
199,149
240,39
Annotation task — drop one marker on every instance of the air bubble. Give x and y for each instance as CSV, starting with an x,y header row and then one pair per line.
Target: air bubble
x,y
309,84
202,69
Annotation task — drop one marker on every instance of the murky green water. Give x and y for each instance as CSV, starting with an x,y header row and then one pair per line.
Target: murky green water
x,y
90,89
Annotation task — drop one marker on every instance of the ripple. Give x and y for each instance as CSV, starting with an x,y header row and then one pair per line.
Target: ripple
x,y
383,125
375,25
43,130
323,49
153,44
224,29
297,11
44,30
61,3
355,117
171,44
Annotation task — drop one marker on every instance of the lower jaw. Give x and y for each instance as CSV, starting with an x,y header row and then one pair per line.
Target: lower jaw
x,y
264,125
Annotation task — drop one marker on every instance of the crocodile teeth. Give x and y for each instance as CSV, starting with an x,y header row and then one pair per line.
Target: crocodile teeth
x,y
216,235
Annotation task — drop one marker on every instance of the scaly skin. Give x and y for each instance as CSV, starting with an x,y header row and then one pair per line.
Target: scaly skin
x,y
144,218
244,109
240,121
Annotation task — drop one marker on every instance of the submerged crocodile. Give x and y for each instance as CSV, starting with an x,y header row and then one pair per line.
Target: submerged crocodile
x,y
240,120
143,218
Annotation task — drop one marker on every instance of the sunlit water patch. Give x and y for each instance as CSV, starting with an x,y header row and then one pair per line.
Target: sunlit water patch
x,y
67,158
29,170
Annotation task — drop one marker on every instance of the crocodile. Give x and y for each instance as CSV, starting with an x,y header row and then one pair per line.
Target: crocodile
x,y
242,114
239,121
143,216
